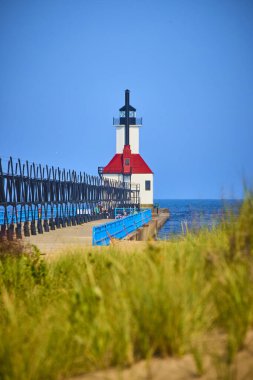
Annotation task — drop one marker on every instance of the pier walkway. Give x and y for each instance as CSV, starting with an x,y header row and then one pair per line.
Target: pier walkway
x,y
68,237
81,235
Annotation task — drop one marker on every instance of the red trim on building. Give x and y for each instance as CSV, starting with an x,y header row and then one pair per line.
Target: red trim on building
x,y
137,164
127,159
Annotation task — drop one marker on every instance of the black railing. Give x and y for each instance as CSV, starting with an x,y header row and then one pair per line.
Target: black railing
x,y
34,198
100,170
132,121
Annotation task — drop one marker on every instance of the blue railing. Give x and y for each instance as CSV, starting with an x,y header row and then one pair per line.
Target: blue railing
x,y
25,213
104,233
121,212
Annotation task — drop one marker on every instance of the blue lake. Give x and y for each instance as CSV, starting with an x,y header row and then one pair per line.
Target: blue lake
x,y
194,214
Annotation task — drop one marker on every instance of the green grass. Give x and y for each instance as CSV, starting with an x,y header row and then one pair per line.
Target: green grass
x,y
90,309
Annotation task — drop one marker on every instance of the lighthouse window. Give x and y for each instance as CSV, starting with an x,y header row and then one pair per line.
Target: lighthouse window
x,y
147,185
122,114
131,114
127,161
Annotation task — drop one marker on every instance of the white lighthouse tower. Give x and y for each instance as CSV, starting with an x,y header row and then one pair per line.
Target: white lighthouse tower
x,y
127,164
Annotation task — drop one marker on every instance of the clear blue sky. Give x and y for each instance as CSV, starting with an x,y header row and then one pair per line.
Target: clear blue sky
x,y
64,66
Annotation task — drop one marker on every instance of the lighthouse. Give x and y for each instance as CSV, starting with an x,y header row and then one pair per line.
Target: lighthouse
x,y
127,165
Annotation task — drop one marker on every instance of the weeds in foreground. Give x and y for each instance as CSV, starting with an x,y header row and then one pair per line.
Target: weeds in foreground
x,y
90,309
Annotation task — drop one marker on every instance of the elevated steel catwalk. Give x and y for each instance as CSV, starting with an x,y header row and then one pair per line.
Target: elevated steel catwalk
x,y
36,199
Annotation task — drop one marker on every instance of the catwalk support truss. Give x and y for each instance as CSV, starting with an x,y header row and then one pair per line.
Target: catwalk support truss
x,y
35,199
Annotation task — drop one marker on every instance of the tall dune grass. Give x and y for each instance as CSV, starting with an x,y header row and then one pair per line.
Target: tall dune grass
x,y
89,309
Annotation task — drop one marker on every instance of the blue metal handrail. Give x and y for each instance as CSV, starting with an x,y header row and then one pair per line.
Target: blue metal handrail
x,y
25,213
104,233
121,212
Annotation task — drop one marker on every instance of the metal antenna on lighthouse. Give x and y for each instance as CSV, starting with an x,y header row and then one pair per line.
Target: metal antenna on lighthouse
x,y
127,92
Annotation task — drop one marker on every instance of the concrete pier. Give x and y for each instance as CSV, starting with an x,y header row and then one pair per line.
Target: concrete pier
x,y
69,237
81,235
150,230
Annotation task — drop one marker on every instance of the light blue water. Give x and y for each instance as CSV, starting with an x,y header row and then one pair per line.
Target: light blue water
x,y
193,214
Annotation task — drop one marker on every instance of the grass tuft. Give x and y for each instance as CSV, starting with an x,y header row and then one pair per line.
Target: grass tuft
x,y
89,310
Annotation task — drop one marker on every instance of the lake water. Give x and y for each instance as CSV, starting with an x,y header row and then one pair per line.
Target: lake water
x,y
193,214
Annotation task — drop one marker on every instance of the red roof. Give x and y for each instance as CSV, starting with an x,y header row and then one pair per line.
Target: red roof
x,y
138,165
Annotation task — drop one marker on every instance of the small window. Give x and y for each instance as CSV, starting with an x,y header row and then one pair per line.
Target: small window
x,y
147,185
131,114
127,161
122,114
